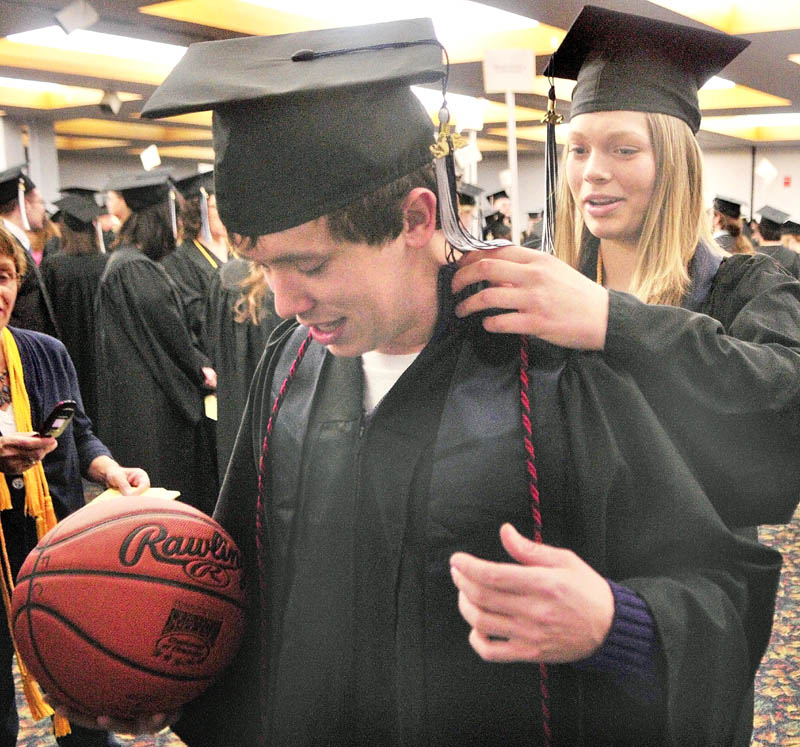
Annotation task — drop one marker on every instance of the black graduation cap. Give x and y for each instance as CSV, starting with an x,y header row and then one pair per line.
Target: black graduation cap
x,y
468,193
190,186
535,213
142,190
627,62
728,206
497,195
80,210
307,123
772,218
83,191
791,227
10,183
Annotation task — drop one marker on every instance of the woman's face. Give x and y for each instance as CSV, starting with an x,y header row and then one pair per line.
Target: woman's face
x,y
116,205
611,172
8,289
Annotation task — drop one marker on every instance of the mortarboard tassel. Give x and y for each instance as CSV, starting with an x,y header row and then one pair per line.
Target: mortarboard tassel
x,y
21,200
550,120
205,228
173,218
447,142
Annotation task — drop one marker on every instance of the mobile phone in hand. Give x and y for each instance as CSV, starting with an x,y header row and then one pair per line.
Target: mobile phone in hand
x,y
57,421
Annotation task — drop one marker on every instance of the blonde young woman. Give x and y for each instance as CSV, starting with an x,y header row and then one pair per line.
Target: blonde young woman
x,y
638,276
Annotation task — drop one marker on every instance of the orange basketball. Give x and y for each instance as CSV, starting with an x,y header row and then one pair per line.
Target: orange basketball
x,y
129,607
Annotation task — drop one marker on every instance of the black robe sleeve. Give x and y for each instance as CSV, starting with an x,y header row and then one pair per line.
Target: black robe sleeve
x,y
727,389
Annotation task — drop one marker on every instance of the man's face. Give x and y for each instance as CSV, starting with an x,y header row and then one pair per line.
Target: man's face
x,y
34,209
353,297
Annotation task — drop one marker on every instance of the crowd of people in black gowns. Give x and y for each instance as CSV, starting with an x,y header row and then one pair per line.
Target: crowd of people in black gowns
x,y
139,283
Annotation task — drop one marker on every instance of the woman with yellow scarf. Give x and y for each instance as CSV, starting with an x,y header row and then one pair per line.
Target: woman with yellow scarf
x,y
40,477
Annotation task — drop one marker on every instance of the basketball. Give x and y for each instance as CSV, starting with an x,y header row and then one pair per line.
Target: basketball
x,y
129,606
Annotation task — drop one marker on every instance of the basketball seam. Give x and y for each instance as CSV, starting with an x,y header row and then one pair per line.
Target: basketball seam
x,y
103,649
33,577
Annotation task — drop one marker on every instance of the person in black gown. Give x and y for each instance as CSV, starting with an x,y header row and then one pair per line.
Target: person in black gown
x,y
387,439
71,277
239,318
152,375
21,208
202,250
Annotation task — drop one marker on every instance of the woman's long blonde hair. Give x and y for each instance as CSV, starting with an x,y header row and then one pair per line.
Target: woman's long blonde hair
x,y
673,225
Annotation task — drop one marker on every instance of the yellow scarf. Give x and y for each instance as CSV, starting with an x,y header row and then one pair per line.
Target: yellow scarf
x,y
38,504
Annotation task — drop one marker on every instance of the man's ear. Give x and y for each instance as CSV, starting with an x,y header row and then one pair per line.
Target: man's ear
x,y
419,216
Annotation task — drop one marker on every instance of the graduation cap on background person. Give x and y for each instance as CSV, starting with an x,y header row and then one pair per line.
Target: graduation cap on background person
x,y
497,195
14,183
78,211
625,62
143,190
468,194
201,186
83,191
771,218
307,123
790,227
728,206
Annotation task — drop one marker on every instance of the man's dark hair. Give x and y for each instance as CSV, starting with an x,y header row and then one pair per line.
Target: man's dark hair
x,y
378,217
768,232
150,230
8,207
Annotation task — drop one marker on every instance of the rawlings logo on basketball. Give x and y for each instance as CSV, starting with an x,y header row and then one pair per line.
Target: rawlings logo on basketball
x,y
203,559
186,639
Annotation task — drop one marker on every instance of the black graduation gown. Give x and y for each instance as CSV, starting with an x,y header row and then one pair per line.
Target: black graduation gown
x,y
785,257
32,309
192,274
731,406
364,643
235,349
150,383
71,281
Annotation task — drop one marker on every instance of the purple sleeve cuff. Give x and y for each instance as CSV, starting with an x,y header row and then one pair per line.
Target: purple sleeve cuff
x,y
630,650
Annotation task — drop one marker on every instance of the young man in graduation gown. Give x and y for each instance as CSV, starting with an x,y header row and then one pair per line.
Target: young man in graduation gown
x,y
22,209
393,466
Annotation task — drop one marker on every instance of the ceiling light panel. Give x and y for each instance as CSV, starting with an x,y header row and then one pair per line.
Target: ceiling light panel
x,y
739,16
465,28
90,54
35,94
129,130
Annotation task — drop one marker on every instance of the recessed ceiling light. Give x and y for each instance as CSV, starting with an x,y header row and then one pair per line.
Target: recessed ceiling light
x,y
451,18
94,42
